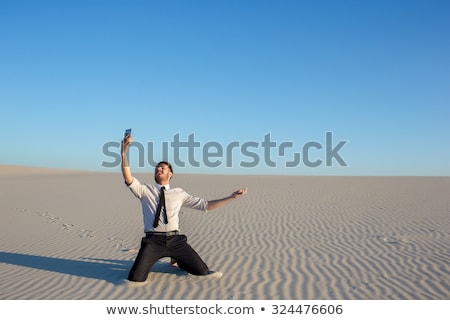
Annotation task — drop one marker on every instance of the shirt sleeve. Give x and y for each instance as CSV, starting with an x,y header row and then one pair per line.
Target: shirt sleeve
x,y
195,202
136,188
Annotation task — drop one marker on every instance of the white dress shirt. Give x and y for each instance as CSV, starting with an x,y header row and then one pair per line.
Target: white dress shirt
x,y
175,199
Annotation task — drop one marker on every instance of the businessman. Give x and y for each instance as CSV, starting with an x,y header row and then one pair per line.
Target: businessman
x,y
161,205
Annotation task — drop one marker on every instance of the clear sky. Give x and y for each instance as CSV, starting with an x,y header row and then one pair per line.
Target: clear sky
x,y
255,84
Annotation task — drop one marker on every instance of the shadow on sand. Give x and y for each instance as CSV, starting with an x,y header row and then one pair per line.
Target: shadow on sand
x,y
113,271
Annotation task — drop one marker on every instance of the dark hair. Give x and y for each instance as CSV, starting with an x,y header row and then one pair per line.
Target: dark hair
x,y
166,163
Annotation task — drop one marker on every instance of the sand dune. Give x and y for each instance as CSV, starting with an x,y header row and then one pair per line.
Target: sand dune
x,y
74,235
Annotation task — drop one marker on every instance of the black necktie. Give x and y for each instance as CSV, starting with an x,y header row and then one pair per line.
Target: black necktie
x,y
161,205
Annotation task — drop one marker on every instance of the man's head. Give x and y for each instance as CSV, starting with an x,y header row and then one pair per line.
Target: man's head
x,y
163,172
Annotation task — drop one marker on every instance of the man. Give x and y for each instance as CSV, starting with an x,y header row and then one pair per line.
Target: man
x,y
160,208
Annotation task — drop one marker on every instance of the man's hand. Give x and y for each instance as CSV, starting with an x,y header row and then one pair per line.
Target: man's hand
x,y
126,142
239,193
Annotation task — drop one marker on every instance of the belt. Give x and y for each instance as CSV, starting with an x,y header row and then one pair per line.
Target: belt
x,y
169,233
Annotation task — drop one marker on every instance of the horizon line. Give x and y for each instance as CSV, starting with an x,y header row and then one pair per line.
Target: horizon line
x,y
149,171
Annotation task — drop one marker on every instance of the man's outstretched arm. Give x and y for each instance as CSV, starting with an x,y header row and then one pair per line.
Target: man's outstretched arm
x,y
126,171
214,204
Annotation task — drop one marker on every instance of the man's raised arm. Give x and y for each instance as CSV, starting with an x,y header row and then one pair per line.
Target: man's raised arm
x,y
126,171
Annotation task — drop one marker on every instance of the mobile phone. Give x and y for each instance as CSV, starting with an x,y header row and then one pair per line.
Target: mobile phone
x,y
127,132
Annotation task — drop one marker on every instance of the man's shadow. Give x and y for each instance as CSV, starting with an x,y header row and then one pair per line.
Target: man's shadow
x,y
113,271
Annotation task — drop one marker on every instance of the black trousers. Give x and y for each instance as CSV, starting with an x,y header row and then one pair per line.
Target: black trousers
x,y
155,247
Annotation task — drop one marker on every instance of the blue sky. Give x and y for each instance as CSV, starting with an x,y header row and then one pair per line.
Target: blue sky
x,y
75,74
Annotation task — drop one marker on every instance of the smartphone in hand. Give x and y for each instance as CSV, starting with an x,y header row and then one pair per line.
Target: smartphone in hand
x,y
127,132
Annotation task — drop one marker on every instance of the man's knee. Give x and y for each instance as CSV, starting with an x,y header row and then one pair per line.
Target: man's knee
x,y
137,277
203,272
199,269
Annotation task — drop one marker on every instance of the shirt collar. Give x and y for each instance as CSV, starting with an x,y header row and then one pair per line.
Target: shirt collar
x,y
158,186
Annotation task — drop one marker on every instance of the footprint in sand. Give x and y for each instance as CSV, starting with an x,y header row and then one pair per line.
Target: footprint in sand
x,y
118,243
83,233
66,227
46,215
86,233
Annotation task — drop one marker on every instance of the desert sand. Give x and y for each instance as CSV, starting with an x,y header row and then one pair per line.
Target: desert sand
x,y
74,235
